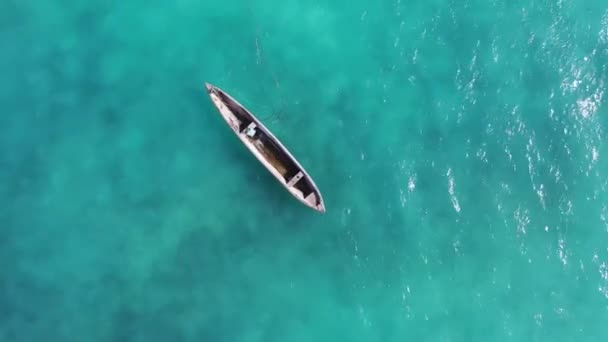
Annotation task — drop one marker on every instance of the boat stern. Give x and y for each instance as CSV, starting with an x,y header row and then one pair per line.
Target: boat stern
x,y
321,208
314,201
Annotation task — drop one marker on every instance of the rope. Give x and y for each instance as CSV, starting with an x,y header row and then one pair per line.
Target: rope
x,y
275,115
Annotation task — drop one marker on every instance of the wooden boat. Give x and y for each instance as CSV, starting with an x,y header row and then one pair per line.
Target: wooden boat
x,y
267,149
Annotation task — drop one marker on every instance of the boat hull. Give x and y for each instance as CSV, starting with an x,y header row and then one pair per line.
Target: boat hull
x,y
267,149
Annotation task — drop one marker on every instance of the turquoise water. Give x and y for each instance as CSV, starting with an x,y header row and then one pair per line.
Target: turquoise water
x,y
460,147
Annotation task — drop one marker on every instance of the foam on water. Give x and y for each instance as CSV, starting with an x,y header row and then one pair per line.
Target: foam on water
x,y
460,148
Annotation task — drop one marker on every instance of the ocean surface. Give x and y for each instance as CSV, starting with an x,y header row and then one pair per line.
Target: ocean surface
x,y
460,146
